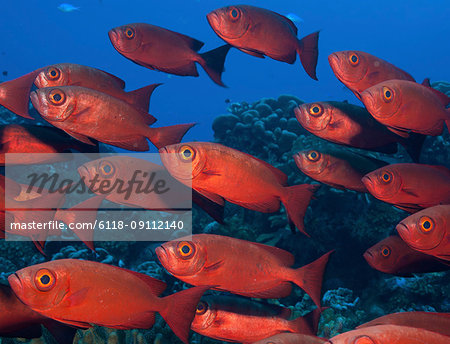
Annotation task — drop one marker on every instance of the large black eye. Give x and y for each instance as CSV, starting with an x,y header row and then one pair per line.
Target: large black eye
x,y
354,59
185,249
106,168
129,32
202,307
187,153
45,279
385,251
386,177
315,110
387,94
53,73
313,156
56,96
234,13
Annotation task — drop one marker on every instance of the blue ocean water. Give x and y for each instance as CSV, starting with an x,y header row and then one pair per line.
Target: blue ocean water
x,y
410,34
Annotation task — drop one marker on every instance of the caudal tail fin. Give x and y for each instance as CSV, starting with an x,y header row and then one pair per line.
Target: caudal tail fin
x,y
84,213
309,51
307,324
213,63
179,310
140,98
309,277
164,136
15,94
296,201
413,145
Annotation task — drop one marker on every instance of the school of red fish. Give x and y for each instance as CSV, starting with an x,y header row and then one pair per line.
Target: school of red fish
x,y
85,106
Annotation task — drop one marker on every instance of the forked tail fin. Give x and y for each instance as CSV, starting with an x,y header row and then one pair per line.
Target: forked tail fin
x,y
179,310
309,277
213,62
164,136
308,51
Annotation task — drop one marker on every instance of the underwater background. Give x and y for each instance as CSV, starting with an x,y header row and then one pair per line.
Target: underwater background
x,y
413,35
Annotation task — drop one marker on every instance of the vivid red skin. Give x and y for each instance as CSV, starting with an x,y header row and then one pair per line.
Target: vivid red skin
x,y
412,187
92,114
402,260
35,139
231,175
348,125
370,70
437,241
258,30
390,334
291,338
335,171
71,74
88,293
405,111
237,266
157,48
243,321
435,322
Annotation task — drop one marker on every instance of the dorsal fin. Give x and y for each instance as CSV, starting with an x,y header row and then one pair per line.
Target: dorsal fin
x,y
290,22
281,177
117,79
285,257
155,285
193,43
445,100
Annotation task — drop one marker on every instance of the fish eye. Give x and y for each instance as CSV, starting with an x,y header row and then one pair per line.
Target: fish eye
x,y
44,280
53,73
313,155
129,32
234,13
363,340
387,94
385,251
316,110
201,309
56,97
426,224
386,177
185,249
106,168
354,59
187,153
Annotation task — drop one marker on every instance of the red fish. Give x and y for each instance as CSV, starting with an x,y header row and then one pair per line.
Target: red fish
x,y
71,74
291,338
18,320
123,168
84,293
157,48
25,139
260,32
84,213
389,334
21,207
241,320
400,105
339,169
221,173
393,256
15,94
410,187
428,231
240,267
85,113
435,322
359,70
353,126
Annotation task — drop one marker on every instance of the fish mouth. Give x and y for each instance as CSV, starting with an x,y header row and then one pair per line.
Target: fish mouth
x,y
83,171
16,283
114,38
367,98
213,20
367,182
333,60
161,253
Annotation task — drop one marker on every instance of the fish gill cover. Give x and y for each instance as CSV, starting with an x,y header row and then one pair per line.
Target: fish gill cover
x,y
261,228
